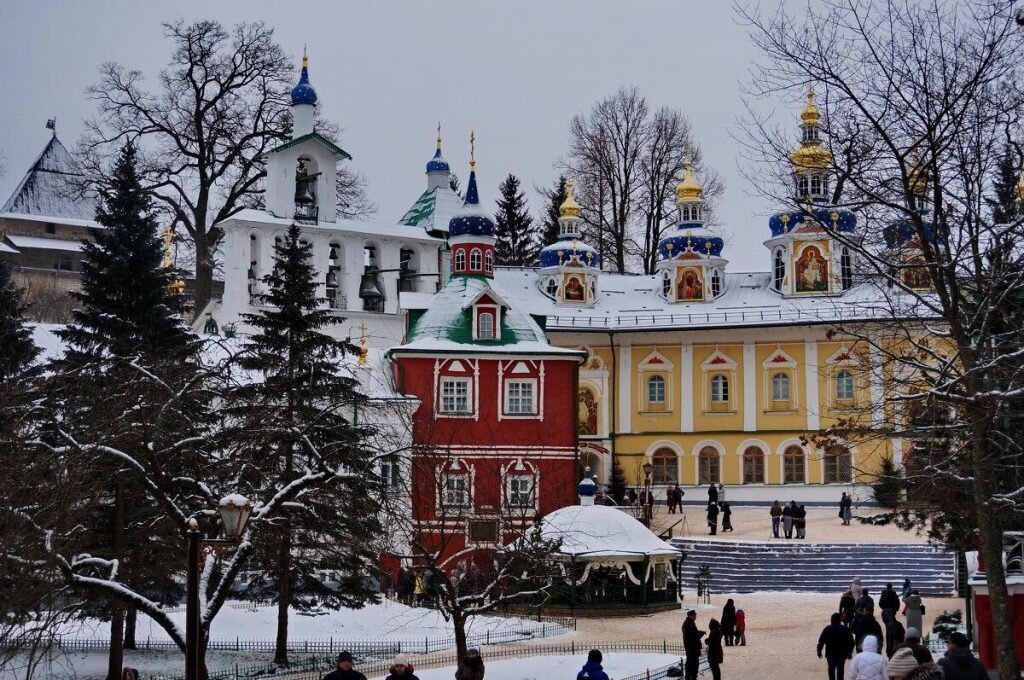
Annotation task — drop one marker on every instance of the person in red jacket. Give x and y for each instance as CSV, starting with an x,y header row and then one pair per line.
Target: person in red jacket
x,y
741,628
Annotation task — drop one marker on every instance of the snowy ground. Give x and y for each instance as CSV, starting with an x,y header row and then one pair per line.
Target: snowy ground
x,y
546,667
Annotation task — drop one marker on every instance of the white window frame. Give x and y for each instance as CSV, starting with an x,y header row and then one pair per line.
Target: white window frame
x,y
717,396
466,492
507,401
460,260
391,472
839,380
719,363
781,388
485,331
476,260
651,380
453,380
779,269
489,261
513,494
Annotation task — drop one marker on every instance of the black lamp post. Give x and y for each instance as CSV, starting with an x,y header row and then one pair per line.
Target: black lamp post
x,y
234,511
648,497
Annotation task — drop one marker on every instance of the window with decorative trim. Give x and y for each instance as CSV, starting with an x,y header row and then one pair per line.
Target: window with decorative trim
x,y
489,261
666,283
801,186
719,392
552,287
779,269
666,466
838,465
391,472
455,395
846,268
708,468
844,386
794,468
455,492
460,261
753,465
780,388
520,491
485,326
660,576
520,397
475,260
716,282
656,390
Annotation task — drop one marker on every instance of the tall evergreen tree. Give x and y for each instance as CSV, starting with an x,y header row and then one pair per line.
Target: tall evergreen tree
x,y
126,352
16,347
515,243
453,184
298,419
555,196
1006,205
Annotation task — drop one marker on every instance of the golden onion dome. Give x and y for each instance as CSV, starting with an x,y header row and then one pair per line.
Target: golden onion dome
x,y
569,207
810,156
689,189
917,178
810,115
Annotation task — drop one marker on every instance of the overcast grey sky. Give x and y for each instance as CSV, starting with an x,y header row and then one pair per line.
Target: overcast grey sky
x,y
515,71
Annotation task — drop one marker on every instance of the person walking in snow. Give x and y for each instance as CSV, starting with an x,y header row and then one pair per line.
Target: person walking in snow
x,y
894,632
712,494
344,670
787,519
776,515
713,518
869,664
592,669
691,644
401,669
741,628
915,609
716,655
721,494
864,626
800,521
728,623
670,497
472,666
856,588
726,516
865,603
846,509
889,600
847,607
679,493
837,643
959,663
912,641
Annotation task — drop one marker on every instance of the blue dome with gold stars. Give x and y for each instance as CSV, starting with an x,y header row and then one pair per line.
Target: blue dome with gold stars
x,y
303,92
565,249
904,233
437,163
818,216
472,219
690,236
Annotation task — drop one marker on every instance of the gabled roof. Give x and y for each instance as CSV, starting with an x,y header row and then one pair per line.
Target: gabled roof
x,y
433,209
316,137
48,188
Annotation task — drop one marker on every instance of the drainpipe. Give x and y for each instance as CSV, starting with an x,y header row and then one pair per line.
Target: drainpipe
x,y
613,406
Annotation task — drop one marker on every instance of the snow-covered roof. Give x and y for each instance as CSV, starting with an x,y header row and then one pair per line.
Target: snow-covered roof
x,y
48,188
343,226
602,531
5,248
433,209
38,243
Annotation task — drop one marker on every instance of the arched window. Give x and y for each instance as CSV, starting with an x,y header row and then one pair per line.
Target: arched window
x,y
489,261
666,466
844,386
779,269
801,186
838,465
716,283
552,287
475,260
719,389
815,185
656,390
846,268
793,467
753,465
666,283
708,471
460,260
780,387
485,326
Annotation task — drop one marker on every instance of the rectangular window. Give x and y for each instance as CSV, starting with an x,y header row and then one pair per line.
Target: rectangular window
x,y
520,491
456,491
660,576
780,387
454,395
483,531
719,393
485,326
519,398
391,473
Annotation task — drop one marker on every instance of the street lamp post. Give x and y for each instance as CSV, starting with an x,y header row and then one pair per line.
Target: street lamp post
x,y
648,497
234,511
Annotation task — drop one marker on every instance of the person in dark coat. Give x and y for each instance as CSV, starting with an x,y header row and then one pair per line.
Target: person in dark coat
x,y
728,622
401,669
847,607
787,519
800,521
472,667
865,624
691,645
959,663
679,493
726,516
713,518
712,494
670,497
889,600
344,670
894,632
592,669
865,602
912,641
715,653
776,515
837,643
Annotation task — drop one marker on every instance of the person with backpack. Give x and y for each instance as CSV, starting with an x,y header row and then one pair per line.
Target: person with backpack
x,y
592,669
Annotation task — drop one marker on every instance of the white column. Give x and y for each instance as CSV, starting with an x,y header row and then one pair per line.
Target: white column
x,y
686,388
877,395
749,387
811,378
897,452
625,390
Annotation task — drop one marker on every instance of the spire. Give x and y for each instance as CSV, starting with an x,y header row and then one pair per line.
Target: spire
x,y
689,189
472,151
810,155
439,165
439,136
810,115
303,92
569,207
472,219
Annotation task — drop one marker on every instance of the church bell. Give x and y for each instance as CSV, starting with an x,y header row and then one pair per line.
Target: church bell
x,y
370,289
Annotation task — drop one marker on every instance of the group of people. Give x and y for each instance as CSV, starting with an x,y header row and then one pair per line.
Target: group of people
x,y
471,668
731,630
718,505
422,585
790,517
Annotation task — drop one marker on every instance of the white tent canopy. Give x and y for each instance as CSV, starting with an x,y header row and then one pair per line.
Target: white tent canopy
x,y
598,531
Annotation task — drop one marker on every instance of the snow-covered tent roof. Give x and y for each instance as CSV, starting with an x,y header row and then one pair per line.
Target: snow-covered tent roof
x,y
433,210
602,531
48,188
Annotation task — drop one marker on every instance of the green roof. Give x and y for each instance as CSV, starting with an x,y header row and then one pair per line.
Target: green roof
x,y
420,211
315,136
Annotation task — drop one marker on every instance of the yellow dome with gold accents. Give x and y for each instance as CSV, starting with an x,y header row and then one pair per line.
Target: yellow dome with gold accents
x,y
917,178
569,207
810,156
810,115
689,189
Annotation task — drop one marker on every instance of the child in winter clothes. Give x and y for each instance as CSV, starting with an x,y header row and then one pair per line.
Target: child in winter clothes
x,y
741,628
869,664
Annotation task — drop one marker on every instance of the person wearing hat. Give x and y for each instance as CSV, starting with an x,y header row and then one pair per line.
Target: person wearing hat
x,y
592,669
901,663
869,664
926,671
912,641
472,666
692,644
959,663
401,669
344,670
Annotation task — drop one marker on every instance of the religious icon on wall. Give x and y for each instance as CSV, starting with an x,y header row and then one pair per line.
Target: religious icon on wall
x,y
586,412
916,275
574,290
689,284
811,272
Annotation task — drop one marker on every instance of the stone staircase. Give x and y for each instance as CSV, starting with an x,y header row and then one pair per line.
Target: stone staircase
x,y
745,567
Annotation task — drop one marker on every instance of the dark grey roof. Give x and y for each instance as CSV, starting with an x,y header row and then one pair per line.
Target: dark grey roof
x,y
48,188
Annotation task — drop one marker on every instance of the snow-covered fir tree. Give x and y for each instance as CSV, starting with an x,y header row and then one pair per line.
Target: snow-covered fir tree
x,y
298,420
515,242
16,347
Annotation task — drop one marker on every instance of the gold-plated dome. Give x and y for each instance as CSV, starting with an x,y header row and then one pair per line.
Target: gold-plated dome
x,y
810,115
569,207
689,189
810,156
917,178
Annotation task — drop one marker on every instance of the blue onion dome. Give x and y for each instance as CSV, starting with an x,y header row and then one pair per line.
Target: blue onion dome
x,y
438,163
569,251
587,487
303,93
904,233
813,217
690,240
472,219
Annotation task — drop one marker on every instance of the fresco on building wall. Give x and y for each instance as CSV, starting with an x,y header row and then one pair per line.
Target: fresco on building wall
x,y
690,284
586,412
811,272
574,291
916,276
